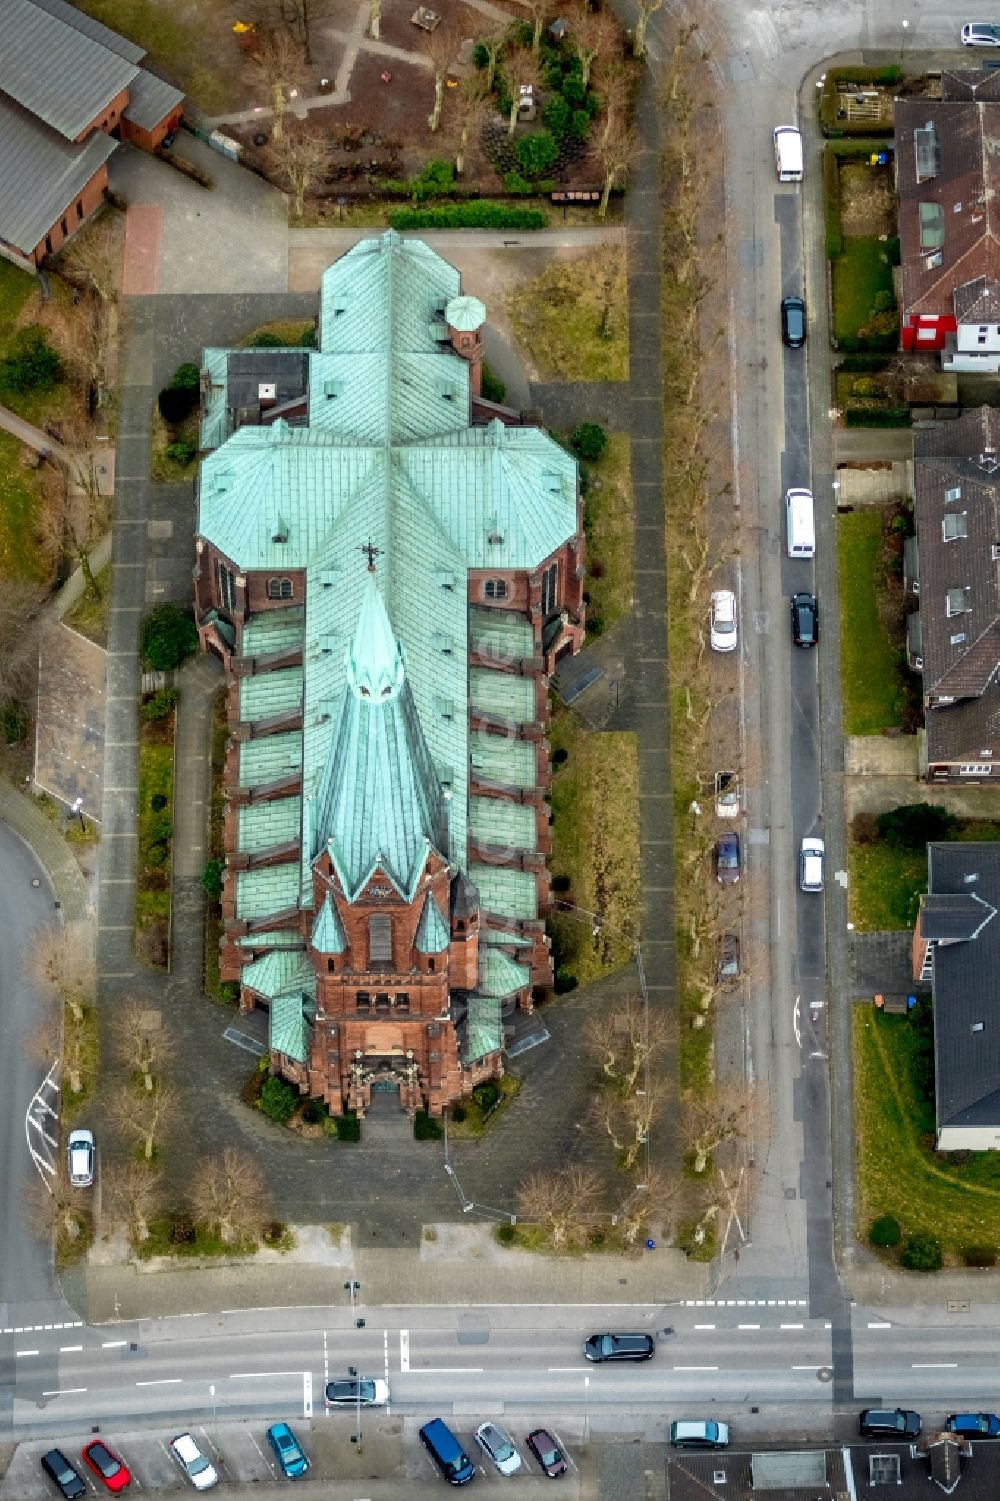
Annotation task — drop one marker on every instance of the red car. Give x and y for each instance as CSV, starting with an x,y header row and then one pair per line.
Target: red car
x,y
106,1465
548,1453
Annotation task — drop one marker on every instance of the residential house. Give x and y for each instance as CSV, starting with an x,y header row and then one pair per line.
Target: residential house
x,y
70,89
389,579
947,179
902,1472
953,567
956,946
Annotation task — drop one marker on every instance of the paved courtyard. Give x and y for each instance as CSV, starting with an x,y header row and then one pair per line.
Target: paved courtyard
x,y
69,743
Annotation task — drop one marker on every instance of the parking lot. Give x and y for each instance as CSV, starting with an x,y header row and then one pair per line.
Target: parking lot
x,y
389,1451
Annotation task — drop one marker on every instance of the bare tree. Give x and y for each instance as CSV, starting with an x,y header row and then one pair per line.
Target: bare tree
x,y
299,159
616,153
625,1039
473,103
19,603
93,258
539,11
628,1119
714,1117
75,512
611,83
82,334
440,47
522,71
301,15
280,61
646,8
593,34
54,1207
658,1199
77,1051
228,1195
61,960
141,1042
374,18
560,1201
133,1193
146,1118
492,42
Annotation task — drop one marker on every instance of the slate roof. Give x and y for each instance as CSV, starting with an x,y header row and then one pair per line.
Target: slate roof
x,y
150,99
957,515
953,918
40,173
978,301
62,75
970,83
96,30
967,1061
958,141
691,1476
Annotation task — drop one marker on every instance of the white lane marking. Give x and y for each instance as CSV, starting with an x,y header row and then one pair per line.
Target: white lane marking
x,y
70,1349
791,1326
795,1022
385,1359
935,1365
457,1370
404,1350
554,1369
19,1353
67,1391
807,1367
254,1375
114,1344
748,1326
878,1324
696,1367
163,1381
307,1394
704,1326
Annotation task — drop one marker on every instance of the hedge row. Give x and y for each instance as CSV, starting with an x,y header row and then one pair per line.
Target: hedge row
x,y
877,417
831,205
467,216
828,102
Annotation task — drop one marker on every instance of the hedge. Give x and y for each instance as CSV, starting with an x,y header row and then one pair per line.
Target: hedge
x,y
863,364
855,151
831,126
467,216
877,417
831,204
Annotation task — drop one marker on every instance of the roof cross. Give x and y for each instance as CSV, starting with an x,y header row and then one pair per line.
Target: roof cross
x,y
372,552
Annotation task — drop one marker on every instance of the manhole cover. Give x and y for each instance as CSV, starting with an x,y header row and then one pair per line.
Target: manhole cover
x,y
791,1193
260,139
825,1373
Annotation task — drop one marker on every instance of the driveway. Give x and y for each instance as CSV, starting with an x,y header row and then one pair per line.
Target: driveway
x,y
184,238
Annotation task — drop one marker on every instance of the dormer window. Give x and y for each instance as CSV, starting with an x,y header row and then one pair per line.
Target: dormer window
x,y
955,526
496,589
958,601
954,492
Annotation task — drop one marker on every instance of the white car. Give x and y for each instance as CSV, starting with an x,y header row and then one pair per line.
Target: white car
x,y
811,865
980,34
727,794
197,1467
498,1448
81,1158
723,630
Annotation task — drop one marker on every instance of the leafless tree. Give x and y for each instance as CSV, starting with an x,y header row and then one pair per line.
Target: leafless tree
x,y
374,18
628,1119
299,159
228,1195
611,83
645,9
61,960
714,1117
560,1202
539,11
75,512
616,152
54,1207
133,1194
492,42
146,1118
280,61
440,47
93,258
82,334
19,603
625,1039
521,68
473,103
593,34
141,1042
301,16
658,1199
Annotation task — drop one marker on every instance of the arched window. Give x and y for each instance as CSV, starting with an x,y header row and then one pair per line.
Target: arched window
x,y
226,580
279,589
550,588
496,588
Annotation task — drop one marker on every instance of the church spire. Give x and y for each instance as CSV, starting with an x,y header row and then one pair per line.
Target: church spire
x,y
374,658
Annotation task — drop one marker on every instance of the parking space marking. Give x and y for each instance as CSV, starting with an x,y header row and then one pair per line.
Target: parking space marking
x,y
307,1394
19,1353
113,1344
70,1349
67,1391
404,1351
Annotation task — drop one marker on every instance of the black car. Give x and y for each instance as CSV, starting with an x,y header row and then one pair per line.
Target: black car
x,y
601,1347
62,1474
729,957
727,859
889,1422
354,1391
805,619
793,322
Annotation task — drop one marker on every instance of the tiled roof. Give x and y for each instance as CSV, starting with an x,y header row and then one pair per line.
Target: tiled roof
x,y
262,826
150,100
288,1027
978,301
280,973
63,76
96,30
970,83
512,893
328,936
262,893
481,1033
268,693
953,919
40,174
967,1054
502,694
269,759
947,161
433,934
504,825
497,759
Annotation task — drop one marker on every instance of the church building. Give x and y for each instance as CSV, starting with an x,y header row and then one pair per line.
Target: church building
x,y
388,567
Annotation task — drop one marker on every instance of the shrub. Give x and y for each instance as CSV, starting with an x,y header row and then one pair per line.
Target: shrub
x,y
565,980
32,364
517,185
480,56
556,116
168,635
278,1099
487,1096
506,1234
893,251
251,1089
479,215
158,802
308,339
864,828
274,1232
182,1231
182,450
922,1253
877,417
536,153
211,879
915,824
229,992
831,204
885,1231
314,1112
589,440
425,1127
13,721
573,92
560,756
186,377
348,1127
579,125
983,1256
265,340
491,386
158,705
458,1114
175,404
436,180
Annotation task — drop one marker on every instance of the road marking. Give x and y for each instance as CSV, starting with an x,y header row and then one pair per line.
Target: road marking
x,y
461,1370
704,1326
877,1324
114,1344
935,1365
807,1367
67,1391
19,1353
791,1326
404,1350
253,1375
748,1326
164,1381
696,1367
307,1394
70,1349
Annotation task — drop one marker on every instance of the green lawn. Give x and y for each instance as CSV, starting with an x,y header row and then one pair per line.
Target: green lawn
x,y
573,318
869,663
884,886
898,1172
608,523
19,495
192,43
156,823
858,273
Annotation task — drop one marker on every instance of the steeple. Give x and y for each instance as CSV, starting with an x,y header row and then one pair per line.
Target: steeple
x,y
374,658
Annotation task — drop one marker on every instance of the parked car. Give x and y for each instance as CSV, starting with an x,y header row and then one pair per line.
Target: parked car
x,y
108,1466
70,1482
723,633
980,34
602,1347
793,322
349,1391
727,794
805,619
287,1450
447,1453
889,1422
198,1468
729,956
974,1424
699,1435
548,1453
499,1448
727,859
80,1150
811,865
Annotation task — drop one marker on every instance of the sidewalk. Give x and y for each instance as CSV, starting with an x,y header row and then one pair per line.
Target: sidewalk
x,y
68,881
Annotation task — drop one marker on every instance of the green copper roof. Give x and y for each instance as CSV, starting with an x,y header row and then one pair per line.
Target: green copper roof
x,y
502,824
270,758
510,763
328,936
289,1030
502,694
280,973
465,314
510,892
262,826
502,637
274,630
261,893
500,976
482,1033
433,935
268,693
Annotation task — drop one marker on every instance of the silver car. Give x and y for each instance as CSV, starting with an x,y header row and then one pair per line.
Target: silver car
x,y
498,1448
980,34
80,1149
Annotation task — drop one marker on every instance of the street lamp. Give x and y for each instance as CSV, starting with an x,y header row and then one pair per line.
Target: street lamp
x,y
586,1408
215,1416
902,41
352,1288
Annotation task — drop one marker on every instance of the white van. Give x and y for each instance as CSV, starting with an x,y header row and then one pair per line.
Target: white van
x,y
788,153
800,526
